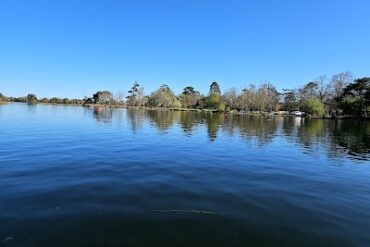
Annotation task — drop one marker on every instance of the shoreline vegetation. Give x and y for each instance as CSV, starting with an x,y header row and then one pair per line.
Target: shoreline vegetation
x,y
340,97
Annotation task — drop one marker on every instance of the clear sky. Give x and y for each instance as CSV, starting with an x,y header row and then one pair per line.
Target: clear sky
x,y
74,47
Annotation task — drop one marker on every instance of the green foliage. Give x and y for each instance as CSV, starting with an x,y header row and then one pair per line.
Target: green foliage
x,y
213,101
176,104
164,97
336,97
351,105
290,100
214,88
31,98
313,106
309,90
189,98
356,97
56,100
44,100
221,107
266,98
102,97
88,101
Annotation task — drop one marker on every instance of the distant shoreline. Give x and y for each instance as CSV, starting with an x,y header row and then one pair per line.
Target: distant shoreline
x,y
232,112
341,97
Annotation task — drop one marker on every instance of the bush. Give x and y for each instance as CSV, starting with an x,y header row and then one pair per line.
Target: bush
x,y
164,97
351,105
314,106
213,101
221,107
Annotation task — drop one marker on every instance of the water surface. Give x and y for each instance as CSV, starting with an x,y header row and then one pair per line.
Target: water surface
x,y
75,176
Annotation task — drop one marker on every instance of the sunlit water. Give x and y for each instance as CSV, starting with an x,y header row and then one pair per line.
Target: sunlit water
x,y
75,176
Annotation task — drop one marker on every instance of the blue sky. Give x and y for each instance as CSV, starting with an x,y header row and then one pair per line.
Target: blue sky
x,y
73,48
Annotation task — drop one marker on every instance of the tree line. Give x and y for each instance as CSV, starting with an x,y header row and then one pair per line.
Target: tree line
x,y
339,95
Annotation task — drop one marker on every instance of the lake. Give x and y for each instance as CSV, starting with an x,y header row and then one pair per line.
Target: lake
x,y
80,176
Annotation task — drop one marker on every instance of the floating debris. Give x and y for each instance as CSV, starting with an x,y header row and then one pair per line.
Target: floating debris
x,y
182,211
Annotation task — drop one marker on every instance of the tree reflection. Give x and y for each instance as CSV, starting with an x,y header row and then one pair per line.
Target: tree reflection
x,y
311,131
161,119
187,121
213,121
136,118
353,136
337,137
32,108
260,128
103,114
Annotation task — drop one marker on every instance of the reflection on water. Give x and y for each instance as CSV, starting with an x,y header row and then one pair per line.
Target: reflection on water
x,y
103,114
339,137
31,108
96,176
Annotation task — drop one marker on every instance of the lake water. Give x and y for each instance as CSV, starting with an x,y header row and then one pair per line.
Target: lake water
x,y
75,176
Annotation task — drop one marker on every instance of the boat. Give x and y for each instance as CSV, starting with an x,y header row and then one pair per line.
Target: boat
x,y
298,113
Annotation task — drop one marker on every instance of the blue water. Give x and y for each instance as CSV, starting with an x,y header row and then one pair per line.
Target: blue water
x,y
83,176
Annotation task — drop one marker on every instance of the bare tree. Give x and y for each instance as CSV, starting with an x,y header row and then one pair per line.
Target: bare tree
x,y
140,97
321,87
266,97
335,90
339,82
230,98
119,97
247,99
308,91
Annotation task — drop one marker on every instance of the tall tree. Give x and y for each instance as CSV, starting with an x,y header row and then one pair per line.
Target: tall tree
x,y
339,82
266,97
247,99
214,88
136,95
163,97
230,97
356,96
31,98
308,91
102,97
313,106
290,100
189,98
321,88
335,90
214,100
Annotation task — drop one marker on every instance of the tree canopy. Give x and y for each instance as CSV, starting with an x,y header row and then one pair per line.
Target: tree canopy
x,y
102,97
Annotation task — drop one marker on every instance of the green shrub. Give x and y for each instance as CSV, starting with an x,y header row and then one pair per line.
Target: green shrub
x,y
351,105
314,106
